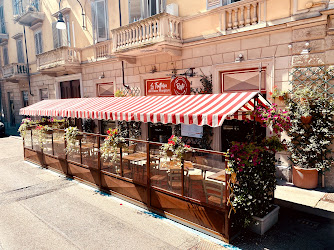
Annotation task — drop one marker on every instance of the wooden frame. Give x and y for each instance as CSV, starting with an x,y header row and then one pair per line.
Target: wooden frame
x,y
192,212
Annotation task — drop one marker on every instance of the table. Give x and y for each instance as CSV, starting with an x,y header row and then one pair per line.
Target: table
x,y
220,176
140,156
173,165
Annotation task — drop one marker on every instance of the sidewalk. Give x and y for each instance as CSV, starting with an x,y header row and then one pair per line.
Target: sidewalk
x,y
320,203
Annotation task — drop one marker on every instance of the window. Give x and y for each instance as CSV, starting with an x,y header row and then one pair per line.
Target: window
x,y
140,9
11,107
211,4
5,55
2,20
59,36
43,93
17,7
19,49
25,97
38,42
100,22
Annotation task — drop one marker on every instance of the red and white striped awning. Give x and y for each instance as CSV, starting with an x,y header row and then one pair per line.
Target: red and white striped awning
x,y
201,110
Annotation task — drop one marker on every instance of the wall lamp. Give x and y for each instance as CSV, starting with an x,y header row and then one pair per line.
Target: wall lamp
x,y
61,23
239,58
307,49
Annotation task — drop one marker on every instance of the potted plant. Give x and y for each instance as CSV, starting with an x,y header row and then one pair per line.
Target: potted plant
x,y
72,135
282,95
252,193
311,138
112,142
25,125
176,148
42,132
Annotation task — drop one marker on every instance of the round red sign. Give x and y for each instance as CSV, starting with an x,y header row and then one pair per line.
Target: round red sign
x,y
180,86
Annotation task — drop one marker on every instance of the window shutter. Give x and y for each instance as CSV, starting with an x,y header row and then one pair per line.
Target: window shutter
x,y
36,43
19,48
55,36
211,4
40,42
5,56
2,21
94,21
63,38
101,21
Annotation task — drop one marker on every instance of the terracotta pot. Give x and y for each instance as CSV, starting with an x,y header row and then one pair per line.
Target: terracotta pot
x,y
281,98
169,153
306,119
305,177
258,119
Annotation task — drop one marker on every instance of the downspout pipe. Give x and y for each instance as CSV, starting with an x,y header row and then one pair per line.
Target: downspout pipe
x,y
120,25
27,59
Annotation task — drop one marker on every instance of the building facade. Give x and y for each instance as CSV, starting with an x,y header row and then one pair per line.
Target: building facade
x,y
112,45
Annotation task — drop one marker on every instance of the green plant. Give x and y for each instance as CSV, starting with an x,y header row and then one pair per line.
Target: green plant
x,y
277,118
254,166
111,144
206,88
25,123
176,146
310,143
278,93
42,130
70,135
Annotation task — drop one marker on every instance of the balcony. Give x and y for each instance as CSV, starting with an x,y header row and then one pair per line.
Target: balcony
x,y
15,72
243,15
60,61
162,32
28,12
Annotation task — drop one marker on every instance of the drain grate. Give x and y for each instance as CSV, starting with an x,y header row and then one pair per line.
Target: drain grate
x,y
309,223
206,245
328,197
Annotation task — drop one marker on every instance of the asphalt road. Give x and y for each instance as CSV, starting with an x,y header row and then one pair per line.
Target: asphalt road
x,y
42,210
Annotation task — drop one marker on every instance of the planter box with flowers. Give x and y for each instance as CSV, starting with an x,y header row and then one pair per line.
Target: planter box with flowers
x,y
72,135
253,163
112,142
176,148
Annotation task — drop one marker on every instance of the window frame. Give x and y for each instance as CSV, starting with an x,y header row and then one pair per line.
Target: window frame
x,y
95,21
19,55
39,45
5,56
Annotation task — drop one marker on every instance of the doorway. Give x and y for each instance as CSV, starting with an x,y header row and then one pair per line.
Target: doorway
x,y
70,89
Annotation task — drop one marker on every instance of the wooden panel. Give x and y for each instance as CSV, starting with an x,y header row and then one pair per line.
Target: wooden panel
x,y
131,190
36,157
57,164
88,175
201,215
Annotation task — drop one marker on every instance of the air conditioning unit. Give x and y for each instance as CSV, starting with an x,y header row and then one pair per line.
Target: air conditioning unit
x,y
172,9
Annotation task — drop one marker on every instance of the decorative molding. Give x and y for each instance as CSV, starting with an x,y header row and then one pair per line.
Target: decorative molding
x,y
17,36
64,11
36,25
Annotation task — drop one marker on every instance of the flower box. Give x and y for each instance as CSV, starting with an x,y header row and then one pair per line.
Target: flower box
x,y
262,225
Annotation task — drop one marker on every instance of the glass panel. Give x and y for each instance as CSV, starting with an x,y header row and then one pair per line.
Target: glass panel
x,y
74,154
47,144
134,10
107,164
89,149
27,139
134,161
35,139
58,143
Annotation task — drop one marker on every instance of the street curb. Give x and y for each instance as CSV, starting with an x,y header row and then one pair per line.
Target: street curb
x,y
305,209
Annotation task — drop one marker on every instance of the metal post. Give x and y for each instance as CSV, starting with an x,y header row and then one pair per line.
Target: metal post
x,y
80,151
121,160
182,177
99,160
32,143
53,148
148,174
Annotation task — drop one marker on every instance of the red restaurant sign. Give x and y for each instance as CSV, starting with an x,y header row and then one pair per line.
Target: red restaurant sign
x,y
164,86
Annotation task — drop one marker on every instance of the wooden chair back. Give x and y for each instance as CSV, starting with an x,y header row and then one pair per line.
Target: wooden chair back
x,y
214,192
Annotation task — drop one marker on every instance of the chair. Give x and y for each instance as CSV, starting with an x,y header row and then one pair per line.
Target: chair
x,y
174,175
214,192
157,175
